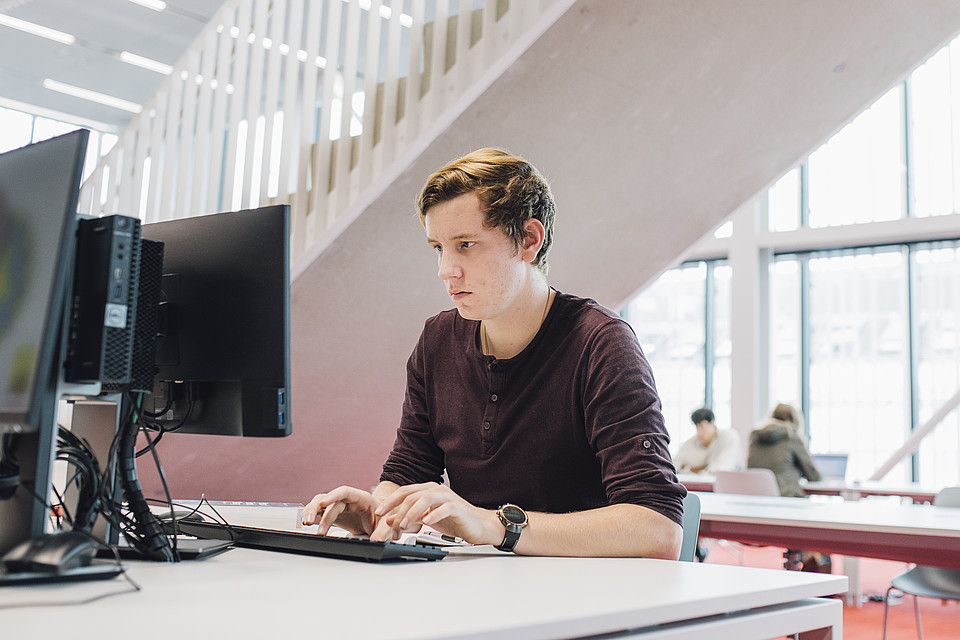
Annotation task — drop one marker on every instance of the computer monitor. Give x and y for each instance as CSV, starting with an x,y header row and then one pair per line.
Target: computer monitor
x,y
832,466
39,189
223,349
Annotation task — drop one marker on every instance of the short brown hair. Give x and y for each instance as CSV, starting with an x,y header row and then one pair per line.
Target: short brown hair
x,y
511,192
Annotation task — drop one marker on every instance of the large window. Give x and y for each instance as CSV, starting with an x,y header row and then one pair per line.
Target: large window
x,y
859,357
18,129
858,175
864,339
671,315
937,330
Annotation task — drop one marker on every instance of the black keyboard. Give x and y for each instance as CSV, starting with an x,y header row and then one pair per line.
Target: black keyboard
x,y
311,544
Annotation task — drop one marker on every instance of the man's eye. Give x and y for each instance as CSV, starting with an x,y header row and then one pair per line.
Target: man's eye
x,y
466,245
438,248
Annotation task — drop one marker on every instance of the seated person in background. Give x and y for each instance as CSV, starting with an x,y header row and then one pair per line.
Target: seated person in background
x,y
539,405
777,444
711,449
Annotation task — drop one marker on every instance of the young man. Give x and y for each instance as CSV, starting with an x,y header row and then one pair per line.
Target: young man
x,y
539,405
711,449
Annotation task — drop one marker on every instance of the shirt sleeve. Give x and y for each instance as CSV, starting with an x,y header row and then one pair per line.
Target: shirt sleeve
x,y
625,425
415,456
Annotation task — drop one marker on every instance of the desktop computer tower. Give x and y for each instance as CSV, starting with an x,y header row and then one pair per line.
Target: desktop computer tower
x,y
104,303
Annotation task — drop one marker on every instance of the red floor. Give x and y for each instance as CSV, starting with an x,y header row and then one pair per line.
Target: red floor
x,y
941,621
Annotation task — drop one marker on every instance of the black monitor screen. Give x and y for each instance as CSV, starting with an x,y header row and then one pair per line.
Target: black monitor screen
x,y
224,335
39,188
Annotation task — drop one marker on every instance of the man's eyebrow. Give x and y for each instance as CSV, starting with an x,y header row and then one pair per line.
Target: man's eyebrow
x,y
459,236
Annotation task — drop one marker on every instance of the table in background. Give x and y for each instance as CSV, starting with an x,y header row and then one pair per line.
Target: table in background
x,y
703,482
862,489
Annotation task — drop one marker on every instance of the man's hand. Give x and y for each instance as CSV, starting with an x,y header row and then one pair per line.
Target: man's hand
x,y
352,509
438,507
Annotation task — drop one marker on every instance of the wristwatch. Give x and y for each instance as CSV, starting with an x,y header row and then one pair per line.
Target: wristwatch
x,y
514,519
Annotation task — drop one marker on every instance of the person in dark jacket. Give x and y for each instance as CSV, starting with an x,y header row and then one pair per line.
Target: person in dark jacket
x,y
776,444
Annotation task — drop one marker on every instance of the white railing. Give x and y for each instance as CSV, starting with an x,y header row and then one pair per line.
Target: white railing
x,y
257,109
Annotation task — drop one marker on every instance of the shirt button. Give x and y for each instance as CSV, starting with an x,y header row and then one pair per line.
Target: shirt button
x,y
646,444
486,426
494,398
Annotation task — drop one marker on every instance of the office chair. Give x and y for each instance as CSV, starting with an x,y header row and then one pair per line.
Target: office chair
x,y
691,527
922,580
753,482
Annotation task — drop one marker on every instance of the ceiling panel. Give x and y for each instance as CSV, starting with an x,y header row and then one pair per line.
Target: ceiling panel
x,y
103,28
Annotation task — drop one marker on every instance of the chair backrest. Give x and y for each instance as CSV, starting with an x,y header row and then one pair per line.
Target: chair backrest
x,y
948,497
754,482
691,527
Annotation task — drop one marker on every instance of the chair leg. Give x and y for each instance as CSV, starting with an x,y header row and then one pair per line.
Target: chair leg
x,y
916,610
886,608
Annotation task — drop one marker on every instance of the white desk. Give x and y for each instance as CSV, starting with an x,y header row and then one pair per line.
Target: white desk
x,y
246,593
923,534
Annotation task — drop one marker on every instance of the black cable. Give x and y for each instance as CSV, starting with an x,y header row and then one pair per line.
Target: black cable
x,y
78,453
9,468
148,528
166,407
166,490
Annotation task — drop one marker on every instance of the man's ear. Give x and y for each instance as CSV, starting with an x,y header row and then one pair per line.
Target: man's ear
x,y
533,237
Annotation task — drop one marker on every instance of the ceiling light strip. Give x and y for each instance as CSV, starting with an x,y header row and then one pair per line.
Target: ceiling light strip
x,y
92,96
156,5
36,29
145,63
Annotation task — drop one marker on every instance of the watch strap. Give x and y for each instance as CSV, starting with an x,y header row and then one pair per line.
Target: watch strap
x,y
510,538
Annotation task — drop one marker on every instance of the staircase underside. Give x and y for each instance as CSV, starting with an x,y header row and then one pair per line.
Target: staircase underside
x,y
653,121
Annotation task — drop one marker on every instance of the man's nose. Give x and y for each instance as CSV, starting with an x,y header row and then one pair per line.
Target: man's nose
x,y
448,266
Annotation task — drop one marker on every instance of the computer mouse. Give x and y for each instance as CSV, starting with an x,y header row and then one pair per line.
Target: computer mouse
x,y
180,515
52,553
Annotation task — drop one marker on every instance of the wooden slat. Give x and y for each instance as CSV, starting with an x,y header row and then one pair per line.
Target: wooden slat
x,y
189,132
290,150
216,189
341,176
411,104
238,79
320,197
308,103
385,151
171,134
270,107
463,73
252,106
158,118
203,172
361,176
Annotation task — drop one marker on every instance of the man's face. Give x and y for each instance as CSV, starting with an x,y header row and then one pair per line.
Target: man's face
x,y
706,430
482,268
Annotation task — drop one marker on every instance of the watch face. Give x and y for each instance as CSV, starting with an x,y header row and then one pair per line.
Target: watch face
x,y
514,514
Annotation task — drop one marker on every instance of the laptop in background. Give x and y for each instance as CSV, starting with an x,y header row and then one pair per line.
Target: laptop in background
x,y
832,466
